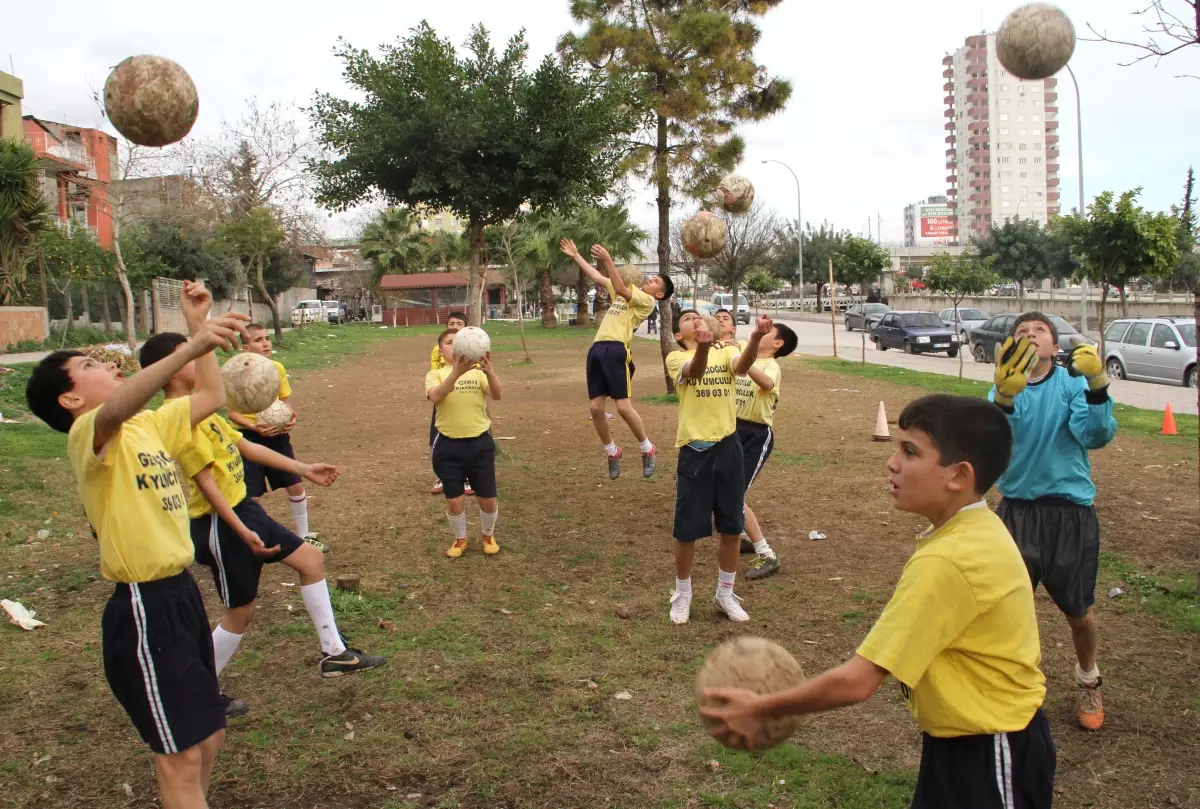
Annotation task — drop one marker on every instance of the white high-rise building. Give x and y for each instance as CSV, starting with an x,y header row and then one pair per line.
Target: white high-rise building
x,y
1002,141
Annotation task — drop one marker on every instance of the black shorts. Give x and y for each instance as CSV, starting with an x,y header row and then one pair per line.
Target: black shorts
x,y
262,479
457,460
709,490
1001,771
1060,542
158,659
609,370
234,566
757,442
433,426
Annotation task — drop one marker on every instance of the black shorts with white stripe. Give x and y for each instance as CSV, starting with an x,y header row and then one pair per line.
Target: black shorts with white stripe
x,y
1000,771
757,442
235,568
158,658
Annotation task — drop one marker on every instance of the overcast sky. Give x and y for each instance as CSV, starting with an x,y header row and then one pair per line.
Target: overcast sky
x,y
864,129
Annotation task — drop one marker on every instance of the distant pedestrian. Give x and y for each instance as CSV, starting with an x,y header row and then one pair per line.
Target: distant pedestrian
x,y
652,322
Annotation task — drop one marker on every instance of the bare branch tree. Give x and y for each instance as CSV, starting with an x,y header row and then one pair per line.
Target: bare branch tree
x,y
1169,31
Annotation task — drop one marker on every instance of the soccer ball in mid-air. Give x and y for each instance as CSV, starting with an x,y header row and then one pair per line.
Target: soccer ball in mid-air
x,y
735,193
151,100
704,234
632,275
472,343
1035,41
251,382
755,664
277,415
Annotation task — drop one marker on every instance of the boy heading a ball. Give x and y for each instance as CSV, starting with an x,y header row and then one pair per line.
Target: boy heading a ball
x,y
960,632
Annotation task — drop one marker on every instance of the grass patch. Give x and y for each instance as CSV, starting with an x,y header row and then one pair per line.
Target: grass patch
x,y
1169,595
661,399
1130,419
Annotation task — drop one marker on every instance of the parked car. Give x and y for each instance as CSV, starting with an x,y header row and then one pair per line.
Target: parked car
x,y
915,332
1154,349
967,319
985,338
305,312
865,315
725,301
333,312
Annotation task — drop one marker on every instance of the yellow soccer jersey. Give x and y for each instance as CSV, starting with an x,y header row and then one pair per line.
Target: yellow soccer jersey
x,y
285,389
131,493
463,413
624,316
707,406
435,358
960,632
754,403
214,442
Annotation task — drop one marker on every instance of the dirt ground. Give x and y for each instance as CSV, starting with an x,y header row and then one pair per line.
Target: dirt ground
x,y
502,684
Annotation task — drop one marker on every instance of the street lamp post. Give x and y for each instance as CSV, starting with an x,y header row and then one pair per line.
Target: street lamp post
x,y
800,229
1083,285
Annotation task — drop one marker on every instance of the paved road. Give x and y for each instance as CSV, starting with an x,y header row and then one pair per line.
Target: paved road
x,y
816,340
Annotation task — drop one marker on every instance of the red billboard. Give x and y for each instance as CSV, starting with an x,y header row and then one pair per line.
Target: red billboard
x,y
937,222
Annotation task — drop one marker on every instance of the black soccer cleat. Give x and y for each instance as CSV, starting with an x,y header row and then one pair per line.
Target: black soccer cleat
x,y
349,662
234,707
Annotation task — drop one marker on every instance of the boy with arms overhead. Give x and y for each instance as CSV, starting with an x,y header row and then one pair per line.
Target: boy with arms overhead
x,y
1057,415
158,653
609,362
960,632
455,321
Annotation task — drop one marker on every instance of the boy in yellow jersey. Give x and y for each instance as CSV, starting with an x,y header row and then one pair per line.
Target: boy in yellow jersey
x,y
463,448
234,537
710,480
757,399
960,632
158,653
454,322
726,333
261,479
609,362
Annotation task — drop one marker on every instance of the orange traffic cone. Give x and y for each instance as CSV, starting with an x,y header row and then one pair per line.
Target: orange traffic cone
x,y
881,428
1168,427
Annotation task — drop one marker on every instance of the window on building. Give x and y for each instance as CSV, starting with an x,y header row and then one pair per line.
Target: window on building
x,y
1003,102
1035,117
1024,174
1002,159
1037,88
1003,131
1024,133
1004,189
1004,175
1021,161
1037,147
1005,204
1037,175
1021,146
1004,116
1004,88
1037,103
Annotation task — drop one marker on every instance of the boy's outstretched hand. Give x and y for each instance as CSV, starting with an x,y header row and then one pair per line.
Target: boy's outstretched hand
x,y
485,364
739,725
568,247
600,253
463,364
196,302
322,474
701,334
221,332
762,327
1014,361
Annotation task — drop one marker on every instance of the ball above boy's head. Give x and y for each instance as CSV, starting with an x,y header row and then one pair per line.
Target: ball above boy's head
x,y
67,384
1038,330
454,322
260,340
659,287
952,450
159,347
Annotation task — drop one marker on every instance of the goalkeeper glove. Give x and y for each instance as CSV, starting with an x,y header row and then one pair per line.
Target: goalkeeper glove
x,y
1014,361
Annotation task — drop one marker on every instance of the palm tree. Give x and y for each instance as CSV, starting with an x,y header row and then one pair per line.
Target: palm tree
x,y
393,245
610,226
537,247
451,251
24,214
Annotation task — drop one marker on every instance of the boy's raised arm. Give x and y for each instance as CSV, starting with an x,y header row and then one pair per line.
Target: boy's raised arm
x,y
569,249
600,253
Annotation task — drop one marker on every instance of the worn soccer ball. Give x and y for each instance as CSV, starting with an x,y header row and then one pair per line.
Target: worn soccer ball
x,y
1035,41
251,382
472,343
632,275
277,415
735,193
151,100
758,665
711,322
704,234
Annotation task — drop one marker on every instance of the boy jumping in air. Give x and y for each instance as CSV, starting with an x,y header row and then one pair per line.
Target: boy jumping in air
x,y
1057,415
158,652
455,321
960,632
609,362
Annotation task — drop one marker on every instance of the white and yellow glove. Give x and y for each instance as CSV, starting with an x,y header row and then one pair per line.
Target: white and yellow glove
x,y
1084,361
1014,361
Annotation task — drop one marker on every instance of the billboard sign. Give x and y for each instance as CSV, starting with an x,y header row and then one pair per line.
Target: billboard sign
x,y
937,222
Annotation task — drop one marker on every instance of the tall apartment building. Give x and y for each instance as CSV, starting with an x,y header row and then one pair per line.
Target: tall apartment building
x,y
78,166
1002,141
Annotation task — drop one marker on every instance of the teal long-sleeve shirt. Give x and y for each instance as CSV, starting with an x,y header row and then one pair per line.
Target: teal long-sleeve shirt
x,y
1055,422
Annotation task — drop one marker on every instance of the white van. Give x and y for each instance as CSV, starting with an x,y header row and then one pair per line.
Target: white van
x,y
333,311
724,300
305,312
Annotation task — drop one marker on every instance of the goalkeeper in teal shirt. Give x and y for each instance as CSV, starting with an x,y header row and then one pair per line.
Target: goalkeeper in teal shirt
x,y
1057,415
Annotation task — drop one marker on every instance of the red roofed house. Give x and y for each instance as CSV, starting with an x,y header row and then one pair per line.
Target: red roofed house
x,y
78,165
428,297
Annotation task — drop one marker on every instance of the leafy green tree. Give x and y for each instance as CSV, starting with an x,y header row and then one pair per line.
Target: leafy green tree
x,y
957,277
536,247
1019,249
73,259
392,245
695,79
257,239
762,283
749,248
479,134
24,215
610,226
451,251
180,251
820,245
859,262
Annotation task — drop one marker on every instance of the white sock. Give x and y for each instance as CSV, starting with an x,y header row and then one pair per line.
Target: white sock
x,y
458,525
300,513
646,444
1087,678
225,643
611,448
320,609
762,547
487,521
725,583
684,586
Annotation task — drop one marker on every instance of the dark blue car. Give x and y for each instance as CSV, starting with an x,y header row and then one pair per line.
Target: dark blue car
x,y
915,333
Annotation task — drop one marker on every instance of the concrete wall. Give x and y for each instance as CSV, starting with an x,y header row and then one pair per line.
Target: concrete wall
x,y
11,91
19,323
170,318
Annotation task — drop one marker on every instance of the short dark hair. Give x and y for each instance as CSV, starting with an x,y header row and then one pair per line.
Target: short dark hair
x,y
964,429
1034,316
48,381
443,335
789,339
159,347
675,324
255,327
668,286
456,315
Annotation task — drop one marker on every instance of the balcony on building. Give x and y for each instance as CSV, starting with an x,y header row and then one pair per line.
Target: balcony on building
x,y
1051,126
948,87
1050,99
64,155
949,100
950,126
948,59
949,113
948,73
